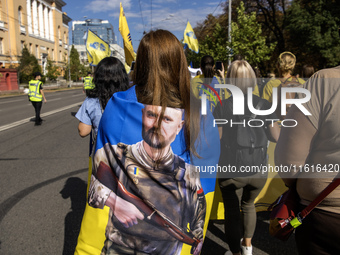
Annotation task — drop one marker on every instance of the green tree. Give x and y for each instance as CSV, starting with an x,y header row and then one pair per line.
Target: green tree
x,y
75,66
270,14
28,66
313,26
247,38
52,71
216,44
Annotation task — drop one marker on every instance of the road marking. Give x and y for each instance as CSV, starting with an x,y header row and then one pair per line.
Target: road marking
x,y
78,95
55,99
12,101
20,122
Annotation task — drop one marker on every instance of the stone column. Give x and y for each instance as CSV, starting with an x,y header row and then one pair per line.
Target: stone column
x,y
29,16
41,20
35,17
50,16
46,23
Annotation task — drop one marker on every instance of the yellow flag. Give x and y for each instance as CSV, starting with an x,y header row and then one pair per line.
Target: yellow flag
x,y
96,48
125,32
190,39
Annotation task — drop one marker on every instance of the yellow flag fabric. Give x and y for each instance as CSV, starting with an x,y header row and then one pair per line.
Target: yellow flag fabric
x,y
96,48
125,32
190,39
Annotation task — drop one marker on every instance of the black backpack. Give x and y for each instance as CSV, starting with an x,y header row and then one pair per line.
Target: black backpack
x,y
244,145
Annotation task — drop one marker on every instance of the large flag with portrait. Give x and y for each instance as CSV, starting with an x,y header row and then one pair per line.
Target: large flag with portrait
x,y
141,200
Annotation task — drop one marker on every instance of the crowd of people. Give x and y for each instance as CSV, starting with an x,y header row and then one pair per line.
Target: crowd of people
x,y
149,133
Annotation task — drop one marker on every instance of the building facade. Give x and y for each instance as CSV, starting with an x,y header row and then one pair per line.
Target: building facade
x,y
101,28
40,25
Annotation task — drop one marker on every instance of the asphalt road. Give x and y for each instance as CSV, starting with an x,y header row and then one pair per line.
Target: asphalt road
x,y
43,176
43,182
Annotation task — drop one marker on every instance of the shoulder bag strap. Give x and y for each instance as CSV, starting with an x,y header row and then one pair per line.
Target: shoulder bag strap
x,y
333,185
257,107
297,221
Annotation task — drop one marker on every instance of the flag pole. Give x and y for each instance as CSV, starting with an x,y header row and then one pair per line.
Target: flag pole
x,y
229,31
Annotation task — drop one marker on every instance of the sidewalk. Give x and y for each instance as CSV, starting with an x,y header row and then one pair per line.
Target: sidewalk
x,y
48,87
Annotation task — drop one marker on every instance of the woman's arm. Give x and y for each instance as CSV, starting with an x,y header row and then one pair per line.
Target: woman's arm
x,y
274,132
84,129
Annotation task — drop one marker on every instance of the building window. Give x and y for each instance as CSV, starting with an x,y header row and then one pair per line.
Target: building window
x,y
20,15
1,46
22,45
31,49
37,51
52,54
60,56
65,41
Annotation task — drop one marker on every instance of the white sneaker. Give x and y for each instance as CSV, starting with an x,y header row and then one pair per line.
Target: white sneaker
x,y
247,250
228,253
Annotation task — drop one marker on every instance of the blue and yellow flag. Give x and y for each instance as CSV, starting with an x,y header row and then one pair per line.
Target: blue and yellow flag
x,y
124,105
125,32
96,48
190,39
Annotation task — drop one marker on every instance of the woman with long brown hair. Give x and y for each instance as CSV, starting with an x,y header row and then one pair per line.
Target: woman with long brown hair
x,y
161,78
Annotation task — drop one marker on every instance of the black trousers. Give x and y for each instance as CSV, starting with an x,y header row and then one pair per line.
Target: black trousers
x,y
37,107
319,233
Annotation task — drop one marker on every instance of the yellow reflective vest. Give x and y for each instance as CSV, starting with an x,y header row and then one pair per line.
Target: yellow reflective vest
x,y
34,91
88,84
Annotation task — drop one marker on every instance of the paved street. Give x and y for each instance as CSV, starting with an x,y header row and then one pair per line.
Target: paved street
x,y
43,176
43,182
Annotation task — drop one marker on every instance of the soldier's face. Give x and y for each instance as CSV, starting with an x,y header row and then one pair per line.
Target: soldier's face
x,y
171,124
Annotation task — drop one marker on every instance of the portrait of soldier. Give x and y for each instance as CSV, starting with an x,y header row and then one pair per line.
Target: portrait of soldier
x,y
156,200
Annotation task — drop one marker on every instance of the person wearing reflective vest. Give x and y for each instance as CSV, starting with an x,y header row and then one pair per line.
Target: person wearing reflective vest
x,y
88,83
36,96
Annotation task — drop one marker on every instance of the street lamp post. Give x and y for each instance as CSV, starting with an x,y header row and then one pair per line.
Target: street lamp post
x,y
69,66
229,31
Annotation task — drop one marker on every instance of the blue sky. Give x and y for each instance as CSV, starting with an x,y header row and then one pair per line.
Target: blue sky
x,y
142,15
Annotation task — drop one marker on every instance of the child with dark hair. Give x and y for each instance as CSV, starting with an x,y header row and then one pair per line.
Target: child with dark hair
x,y
109,77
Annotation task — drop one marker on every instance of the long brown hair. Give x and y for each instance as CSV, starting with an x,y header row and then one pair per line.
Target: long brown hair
x,y
162,78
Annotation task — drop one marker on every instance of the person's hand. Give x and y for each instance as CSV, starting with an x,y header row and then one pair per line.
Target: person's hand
x,y
126,212
221,72
198,249
45,100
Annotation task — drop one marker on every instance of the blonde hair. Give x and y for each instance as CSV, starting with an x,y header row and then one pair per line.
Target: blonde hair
x,y
242,75
286,62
